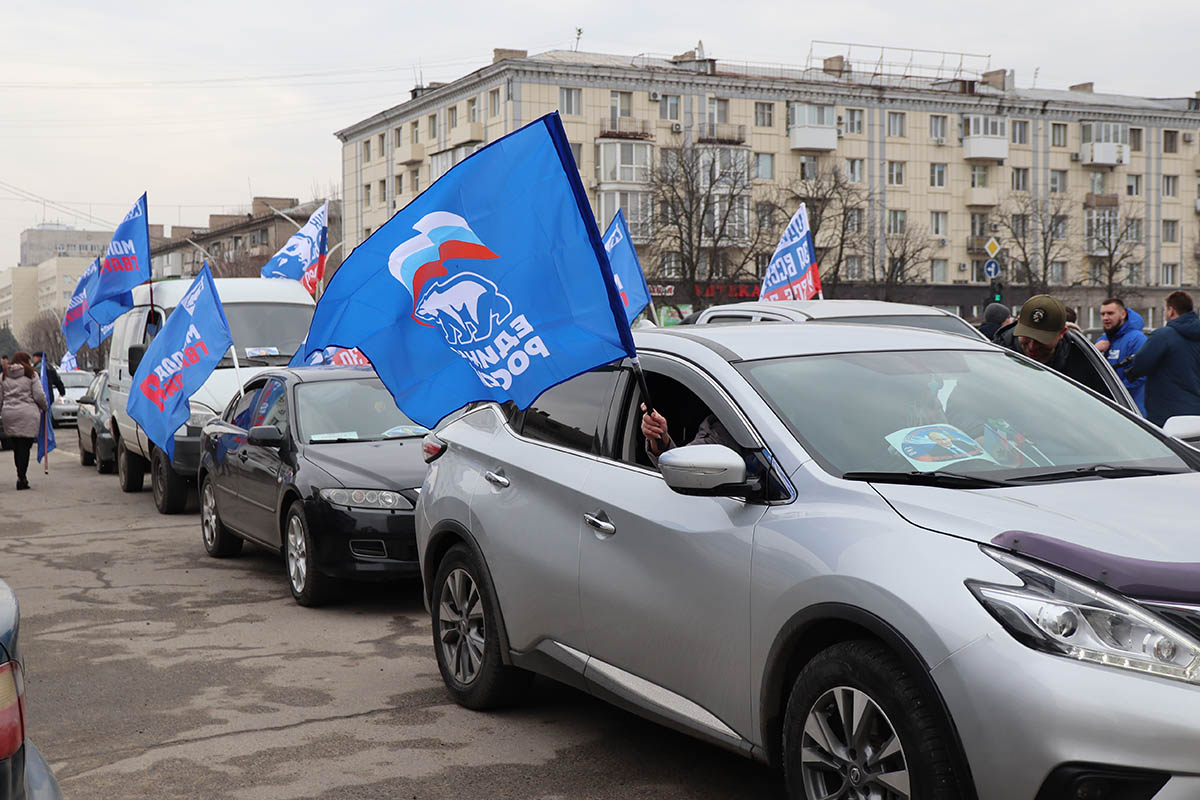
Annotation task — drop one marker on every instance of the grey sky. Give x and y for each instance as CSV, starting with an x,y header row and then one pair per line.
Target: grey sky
x,y
99,102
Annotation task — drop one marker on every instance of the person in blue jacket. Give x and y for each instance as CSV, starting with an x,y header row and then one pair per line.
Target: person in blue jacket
x,y
1122,338
1170,360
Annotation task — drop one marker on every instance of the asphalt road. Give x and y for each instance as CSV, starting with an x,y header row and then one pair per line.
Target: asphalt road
x,y
156,671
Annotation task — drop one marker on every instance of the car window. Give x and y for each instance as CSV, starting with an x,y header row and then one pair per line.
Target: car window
x,y
104,389
359,409
683,410
727,319
94,387
570,414
271,406
241,412
75,380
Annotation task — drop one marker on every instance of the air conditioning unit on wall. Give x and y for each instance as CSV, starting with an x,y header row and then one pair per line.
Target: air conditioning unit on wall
x,y
654,96
1074,156
940,141
962,267
676,127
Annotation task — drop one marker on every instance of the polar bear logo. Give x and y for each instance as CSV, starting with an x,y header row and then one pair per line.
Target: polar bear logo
x,y
468,307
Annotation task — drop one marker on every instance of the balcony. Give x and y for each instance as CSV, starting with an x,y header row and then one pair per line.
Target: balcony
x,y
468,133
1092,200
813,137
985,148
625,128
977,244
982,196
720,133
1103,154
412,154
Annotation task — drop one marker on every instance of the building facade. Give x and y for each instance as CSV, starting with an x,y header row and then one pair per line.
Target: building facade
x,y
1093,192
48,240
25,292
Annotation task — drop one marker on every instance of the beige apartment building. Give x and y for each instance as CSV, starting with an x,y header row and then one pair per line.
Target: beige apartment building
x,y
25,292
954,156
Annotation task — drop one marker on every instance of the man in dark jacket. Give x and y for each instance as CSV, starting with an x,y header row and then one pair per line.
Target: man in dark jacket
x,y
56,384
1122,338
995,317
1040,332
1170,360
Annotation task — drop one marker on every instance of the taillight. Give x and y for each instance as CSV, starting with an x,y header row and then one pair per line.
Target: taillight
x,y
12,710
432,447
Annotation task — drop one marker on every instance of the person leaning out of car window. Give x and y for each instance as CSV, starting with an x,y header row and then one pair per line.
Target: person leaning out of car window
x,y
658,440
22,402
1170,361
1122,339
1040,332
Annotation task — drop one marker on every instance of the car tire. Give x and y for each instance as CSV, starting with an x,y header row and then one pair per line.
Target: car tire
x,y
219,541
898,717
466,635
169,487
86,459
104,466
131,469
310,588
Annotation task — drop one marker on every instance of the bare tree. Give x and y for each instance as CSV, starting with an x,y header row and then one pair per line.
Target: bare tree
x,y
1037,235
905,251
44,335
1113,242
701,196
237,264
836,210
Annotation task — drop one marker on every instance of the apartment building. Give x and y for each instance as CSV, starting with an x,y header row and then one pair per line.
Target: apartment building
x,y
50,239
958,155
25,292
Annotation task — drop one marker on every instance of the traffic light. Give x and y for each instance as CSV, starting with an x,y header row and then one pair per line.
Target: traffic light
x,y
997,291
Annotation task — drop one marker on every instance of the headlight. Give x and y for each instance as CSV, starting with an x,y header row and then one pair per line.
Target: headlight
x,y
200,415
1061,614
367,498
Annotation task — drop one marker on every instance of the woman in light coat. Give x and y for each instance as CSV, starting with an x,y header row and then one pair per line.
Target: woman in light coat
x,y
22,402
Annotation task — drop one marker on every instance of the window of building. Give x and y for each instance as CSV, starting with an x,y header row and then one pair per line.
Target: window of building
x,y
764,166
577,153
620,104
1058,226
939,223
1104,132
1133,273
896,124
1136,229
1170,185
668,107
1020,179
895,173
382,193
937,127
494,102
979,176
451,117
1170,141
440,163
366,194
1170,274
979,224
854,220
624,161
811,115
366,233
854,120
854,170
670,266
1058,134
636,206
897,221
570,102
397,137
808,168
764,214
1135,139
472,109
852,269
414,180
568,415
1170,230
978,270
718,111
366,150
1100,229
938,270
1133,185
1020,226
398,185
1096,182
1058,272
1020,131
937,175
764,115
984,125
414,130
1058,181
433,128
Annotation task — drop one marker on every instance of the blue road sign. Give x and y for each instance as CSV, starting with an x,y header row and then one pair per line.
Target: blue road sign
x,y
992,268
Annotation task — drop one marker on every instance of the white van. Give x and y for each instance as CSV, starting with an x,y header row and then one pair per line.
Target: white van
x,y
269,319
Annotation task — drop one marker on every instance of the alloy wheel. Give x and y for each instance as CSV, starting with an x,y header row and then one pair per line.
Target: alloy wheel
x,y
208,515
297,555
850,750
461,630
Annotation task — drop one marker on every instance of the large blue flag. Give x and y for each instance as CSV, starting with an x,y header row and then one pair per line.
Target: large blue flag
x,y
78,325
627,270
124,265
302,258
179,361
45,437
793,273
492,285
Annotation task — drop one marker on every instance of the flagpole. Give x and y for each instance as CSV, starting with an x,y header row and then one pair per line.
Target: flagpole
x,y
237,368
46,428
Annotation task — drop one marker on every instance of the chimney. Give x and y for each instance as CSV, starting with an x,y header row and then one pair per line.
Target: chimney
x,y
835,65
1002,79
501,53
1083,87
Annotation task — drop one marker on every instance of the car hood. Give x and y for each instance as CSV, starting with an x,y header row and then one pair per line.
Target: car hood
x,y
391,464
1088,526
222,384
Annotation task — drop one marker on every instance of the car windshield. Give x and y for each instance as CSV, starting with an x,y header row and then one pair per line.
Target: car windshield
x,y
77,380
266,333
355,409
932,322
986,413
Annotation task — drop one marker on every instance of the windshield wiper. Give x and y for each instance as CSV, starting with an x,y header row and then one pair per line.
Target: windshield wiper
x,y
1096,470
950,480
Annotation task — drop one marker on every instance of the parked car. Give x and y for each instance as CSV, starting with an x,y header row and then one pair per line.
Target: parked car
x,y
269,320
316,463
24,774
64,409
913,569
94,426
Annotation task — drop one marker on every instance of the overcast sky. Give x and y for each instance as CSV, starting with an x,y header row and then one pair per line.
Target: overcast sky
x,y
203,104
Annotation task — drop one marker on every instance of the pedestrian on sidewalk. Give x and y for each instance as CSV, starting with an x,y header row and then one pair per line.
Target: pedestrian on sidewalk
x,y
22,402
1170,362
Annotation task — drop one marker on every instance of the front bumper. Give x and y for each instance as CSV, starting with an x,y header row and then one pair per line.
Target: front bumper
x,y
1021,713
187,456
363,544
63,414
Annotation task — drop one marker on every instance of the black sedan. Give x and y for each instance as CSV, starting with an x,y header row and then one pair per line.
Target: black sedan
x,y
24,774
94,426
316,463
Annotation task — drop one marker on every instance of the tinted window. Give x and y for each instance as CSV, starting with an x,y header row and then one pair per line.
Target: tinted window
x,y
104,390
569,414
242,411
933,322
726,319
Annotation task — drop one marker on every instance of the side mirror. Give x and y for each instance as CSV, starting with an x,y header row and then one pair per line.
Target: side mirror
x,y
136,351
265,436
86,400
1186,428
707,470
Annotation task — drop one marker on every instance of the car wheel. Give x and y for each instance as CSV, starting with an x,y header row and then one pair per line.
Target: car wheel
x,y
309,587
169,487
858,725
86,459
466,635
131,470
219,541
103,465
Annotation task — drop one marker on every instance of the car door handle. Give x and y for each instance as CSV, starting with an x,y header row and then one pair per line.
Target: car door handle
x,y
496,479
600,522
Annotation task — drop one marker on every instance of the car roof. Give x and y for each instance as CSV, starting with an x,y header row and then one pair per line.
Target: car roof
x,y
316,374
752,341
833,309
231,290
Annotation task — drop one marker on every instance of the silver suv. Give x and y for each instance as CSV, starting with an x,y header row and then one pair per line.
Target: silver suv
x,y
904,564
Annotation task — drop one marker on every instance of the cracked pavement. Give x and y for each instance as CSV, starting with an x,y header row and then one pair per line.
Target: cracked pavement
x,y
156,671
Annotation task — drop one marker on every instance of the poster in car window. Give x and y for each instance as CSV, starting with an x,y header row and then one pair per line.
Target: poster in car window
x,y
931,447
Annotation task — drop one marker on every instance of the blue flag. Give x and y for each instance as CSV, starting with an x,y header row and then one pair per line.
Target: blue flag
x,y
192,342
792,273
45,437
492,285
124,265
78,326
627,270
303,256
